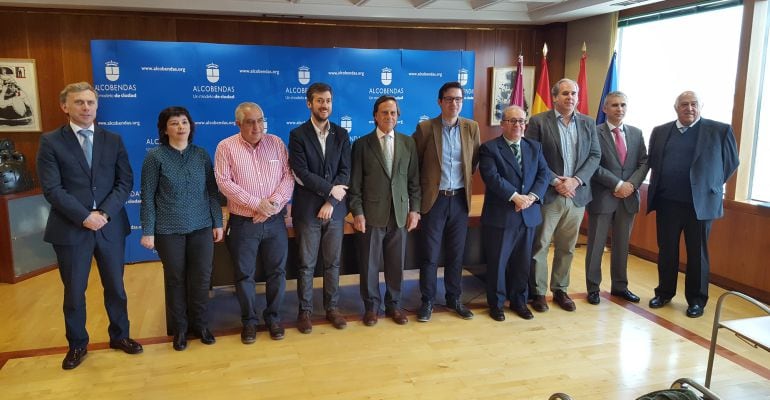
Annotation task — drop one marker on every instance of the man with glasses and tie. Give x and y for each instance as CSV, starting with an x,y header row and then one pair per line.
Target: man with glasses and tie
x,y
571,148
615,202
448,149
85,175
691,159
385,203
516,176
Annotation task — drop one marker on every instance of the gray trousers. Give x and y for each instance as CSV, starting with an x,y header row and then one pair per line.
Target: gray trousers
x,y
621,222
314,238
382,245
561,225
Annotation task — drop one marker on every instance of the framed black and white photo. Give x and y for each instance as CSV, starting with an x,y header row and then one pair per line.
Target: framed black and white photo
x,y
500,95
19,100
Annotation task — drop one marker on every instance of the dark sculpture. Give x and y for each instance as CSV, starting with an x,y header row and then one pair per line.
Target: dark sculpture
x,y
14,175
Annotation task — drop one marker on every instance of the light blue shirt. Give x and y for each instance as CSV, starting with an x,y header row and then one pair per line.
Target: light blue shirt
x,y
451,158
568,136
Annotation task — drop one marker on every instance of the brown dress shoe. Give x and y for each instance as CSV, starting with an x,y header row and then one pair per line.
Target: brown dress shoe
x,y
398,316
303,322
276,330
539,304
337,320
561,298
370,318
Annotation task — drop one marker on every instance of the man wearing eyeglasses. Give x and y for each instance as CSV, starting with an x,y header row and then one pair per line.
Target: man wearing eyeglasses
x,y
571,148
516,176
615,202
447,148
252,171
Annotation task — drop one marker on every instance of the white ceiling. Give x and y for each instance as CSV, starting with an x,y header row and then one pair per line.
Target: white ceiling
x,y
430,11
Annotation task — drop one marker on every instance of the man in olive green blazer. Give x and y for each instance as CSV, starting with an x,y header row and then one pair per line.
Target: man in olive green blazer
x,y
385,202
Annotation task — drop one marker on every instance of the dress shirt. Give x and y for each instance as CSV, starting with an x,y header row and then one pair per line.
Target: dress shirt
x,y
247,174
623,135
381,136
179,193
321,133
568,137
680,125
77,129
509,143
451,157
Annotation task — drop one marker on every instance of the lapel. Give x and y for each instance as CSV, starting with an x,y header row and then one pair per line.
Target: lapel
x,y
73,146
553,126
312,137
466,144
375,148
438,138
507,153
660,143
98,149
606,136
701,142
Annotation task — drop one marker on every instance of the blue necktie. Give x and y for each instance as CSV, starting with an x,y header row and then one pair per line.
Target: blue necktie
x,y
88,143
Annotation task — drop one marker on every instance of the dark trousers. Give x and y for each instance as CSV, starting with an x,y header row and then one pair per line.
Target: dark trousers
x,y
316,237
387,246
247,241
620,222
508,252
74,268
673,218
187,261
447,222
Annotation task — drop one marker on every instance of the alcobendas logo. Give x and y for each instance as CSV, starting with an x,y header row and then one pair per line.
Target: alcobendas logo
x,y
212,73
303,75
347,123
111,71
462,76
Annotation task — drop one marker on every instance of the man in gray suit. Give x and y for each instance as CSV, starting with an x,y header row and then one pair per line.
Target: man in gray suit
x,y
571,148
615,203
691,159
385,203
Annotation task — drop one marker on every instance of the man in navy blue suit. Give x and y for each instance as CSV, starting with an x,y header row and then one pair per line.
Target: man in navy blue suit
x,y
319,156
85,175
691,159
516,177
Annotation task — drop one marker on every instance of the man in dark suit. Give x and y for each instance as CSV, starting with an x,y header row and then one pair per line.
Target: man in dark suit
x,y
571,148
85,175
448,149
516,176
385,203
691,159
615,202
319,155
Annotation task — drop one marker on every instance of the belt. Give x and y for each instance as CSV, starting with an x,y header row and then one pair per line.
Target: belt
x,y
450,193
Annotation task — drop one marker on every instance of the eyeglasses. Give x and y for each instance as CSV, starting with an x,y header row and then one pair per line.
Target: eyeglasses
x,y
514,121
454,99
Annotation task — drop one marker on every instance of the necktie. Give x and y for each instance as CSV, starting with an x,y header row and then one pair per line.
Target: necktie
x,y
387,153
516,153
620,145
683,129
88,144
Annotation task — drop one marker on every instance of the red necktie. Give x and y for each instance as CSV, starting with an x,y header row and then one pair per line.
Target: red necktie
x,y
620,145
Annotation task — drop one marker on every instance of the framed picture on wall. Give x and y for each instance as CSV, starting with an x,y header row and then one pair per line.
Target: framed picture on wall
x,y
501,91
19,101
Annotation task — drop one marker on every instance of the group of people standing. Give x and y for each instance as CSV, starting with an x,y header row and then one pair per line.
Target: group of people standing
x,y
539,176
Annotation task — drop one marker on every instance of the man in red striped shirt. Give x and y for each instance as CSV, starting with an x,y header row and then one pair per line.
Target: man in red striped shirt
x,y
252,171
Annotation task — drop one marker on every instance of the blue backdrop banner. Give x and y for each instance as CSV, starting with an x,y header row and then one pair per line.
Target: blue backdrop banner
x,y
137,79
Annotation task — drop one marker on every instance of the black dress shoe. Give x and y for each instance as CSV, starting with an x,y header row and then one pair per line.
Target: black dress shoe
x,y
249,334
74,357
593,297
658,302
695,311
497,314
522,311
539,304
206,336
180,341
458,307
276,331
425,311
627,295
127,345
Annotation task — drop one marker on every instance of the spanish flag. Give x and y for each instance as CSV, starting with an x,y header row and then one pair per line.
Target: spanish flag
x,y
542,100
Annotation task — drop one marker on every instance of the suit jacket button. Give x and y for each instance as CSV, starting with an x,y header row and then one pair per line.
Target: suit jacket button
x,y
93,188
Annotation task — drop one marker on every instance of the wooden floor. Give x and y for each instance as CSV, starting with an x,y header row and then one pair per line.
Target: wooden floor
x,y
615,350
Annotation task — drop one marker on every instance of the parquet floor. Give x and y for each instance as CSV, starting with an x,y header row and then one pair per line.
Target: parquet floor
x,y
615,350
